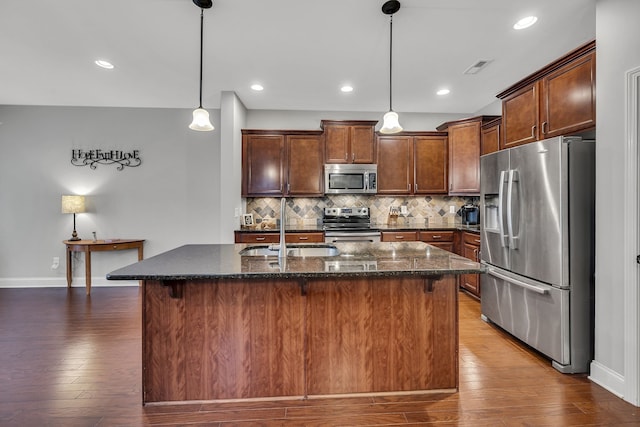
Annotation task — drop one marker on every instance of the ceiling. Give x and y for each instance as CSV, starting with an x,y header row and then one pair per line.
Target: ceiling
x,y
301,51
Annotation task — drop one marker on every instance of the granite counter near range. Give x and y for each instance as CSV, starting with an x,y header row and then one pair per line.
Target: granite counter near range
x,y
401,226
379,318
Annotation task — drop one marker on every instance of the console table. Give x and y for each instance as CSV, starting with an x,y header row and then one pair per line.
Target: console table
x,y
88,246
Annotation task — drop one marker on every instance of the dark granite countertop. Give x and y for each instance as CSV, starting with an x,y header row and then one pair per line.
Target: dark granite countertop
x,y
193,262
381,227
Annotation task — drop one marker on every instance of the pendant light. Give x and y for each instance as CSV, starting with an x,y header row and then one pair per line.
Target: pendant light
x,y
200,115
390,122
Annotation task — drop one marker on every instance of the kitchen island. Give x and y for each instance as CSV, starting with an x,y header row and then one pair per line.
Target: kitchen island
x,y
226,322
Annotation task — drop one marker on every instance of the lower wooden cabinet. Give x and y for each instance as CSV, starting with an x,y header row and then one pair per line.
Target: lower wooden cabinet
x,y
399,236
293,237
470,249
440,239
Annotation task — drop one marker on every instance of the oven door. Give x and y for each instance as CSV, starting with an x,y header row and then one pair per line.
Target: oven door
x,y
351,236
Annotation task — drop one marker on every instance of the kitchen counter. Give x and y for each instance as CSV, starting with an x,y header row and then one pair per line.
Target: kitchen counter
x,y
377,319
382,227
193,262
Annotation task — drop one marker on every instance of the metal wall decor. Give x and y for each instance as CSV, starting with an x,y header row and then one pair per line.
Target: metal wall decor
x,y
93,158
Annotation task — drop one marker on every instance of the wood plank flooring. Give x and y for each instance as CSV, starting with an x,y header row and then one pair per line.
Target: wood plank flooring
x,y
71,360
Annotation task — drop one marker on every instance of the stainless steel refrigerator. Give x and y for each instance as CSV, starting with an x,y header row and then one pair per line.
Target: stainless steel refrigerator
x,y
537,242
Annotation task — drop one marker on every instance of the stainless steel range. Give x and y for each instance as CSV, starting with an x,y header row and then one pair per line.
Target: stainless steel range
x,y
348,225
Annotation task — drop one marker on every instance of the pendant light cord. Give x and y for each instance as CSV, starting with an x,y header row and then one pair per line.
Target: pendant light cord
x,y
201,41
390,60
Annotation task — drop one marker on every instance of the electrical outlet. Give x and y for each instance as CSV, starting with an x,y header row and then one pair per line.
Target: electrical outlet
x,y
452,209
404,210
237,212
55,263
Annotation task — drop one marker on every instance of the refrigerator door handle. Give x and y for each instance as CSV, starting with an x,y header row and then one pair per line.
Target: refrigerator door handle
x,y
517,282
512,238
500,213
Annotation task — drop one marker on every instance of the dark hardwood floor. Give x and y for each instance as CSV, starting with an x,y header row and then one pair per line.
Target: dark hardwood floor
x,y
71,360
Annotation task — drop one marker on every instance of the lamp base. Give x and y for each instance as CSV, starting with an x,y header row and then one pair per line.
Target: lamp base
x,y
74,236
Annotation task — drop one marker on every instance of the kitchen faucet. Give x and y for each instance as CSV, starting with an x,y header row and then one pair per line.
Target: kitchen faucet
x,y
282,251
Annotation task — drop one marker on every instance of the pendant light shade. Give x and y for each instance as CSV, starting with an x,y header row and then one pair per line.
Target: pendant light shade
x,y
201,120
390,123
200,115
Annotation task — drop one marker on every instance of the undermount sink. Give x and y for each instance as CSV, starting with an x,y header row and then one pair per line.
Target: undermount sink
x,y
292,250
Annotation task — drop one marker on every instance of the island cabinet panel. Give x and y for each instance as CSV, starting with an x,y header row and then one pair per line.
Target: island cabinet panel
x,y
381,335
222,340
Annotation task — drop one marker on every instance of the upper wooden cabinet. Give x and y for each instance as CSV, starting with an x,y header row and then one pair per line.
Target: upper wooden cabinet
x,y
490,136
464,154
349,141
305,165
559,99
277,163
430,171
412,163
262,165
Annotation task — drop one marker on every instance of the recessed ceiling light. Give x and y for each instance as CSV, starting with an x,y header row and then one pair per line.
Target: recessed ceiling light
x,y
525,22
257,87
346,88
104,64
443,92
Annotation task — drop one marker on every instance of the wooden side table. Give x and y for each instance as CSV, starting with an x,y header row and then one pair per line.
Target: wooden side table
x,y
88,246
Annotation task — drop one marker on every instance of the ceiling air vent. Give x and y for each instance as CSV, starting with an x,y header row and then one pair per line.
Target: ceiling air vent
x,y
477,66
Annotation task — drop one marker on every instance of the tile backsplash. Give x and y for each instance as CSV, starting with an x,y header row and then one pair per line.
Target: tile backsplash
x,y
303,211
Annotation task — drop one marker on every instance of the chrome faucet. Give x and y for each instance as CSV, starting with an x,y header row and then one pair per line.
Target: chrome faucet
x,y
282,251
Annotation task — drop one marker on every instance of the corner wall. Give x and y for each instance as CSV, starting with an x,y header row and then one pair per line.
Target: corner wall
x,y
618,51
169,200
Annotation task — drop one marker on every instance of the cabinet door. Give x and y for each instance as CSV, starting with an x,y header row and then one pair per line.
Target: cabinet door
x,y
361,139
305,165
430,165
490,140
520,116
395,164
470,282
569,98
336,144
464,158
263,165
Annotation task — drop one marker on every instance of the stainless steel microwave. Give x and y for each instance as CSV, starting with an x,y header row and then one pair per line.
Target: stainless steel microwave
x,y
350,179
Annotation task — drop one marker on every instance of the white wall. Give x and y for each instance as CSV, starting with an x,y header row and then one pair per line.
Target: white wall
x,y
169,200
269,119
618,50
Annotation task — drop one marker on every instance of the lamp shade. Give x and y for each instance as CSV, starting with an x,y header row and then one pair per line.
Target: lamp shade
x,y
201,120
73,204
390,123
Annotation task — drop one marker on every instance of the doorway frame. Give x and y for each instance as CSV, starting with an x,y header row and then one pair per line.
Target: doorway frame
x,y
631,240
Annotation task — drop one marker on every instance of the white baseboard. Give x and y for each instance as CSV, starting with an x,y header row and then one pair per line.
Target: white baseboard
x,y
61,282
608,379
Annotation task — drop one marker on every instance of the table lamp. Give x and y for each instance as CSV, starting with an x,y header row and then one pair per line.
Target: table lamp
x,y
74,205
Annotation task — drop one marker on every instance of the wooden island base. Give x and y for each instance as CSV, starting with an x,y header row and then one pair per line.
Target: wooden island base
x,y
223,339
